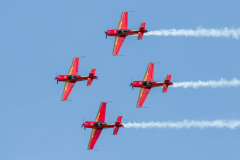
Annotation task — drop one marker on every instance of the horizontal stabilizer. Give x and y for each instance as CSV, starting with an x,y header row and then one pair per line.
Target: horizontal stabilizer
x,y
167,83
119,119
141,29
168,78
165,88
93,71
142,25
89,82
140,35
91,76
116,128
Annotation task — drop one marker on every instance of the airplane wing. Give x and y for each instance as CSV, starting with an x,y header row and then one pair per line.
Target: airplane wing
x,y
101,113
118,44
142,96
74,67
94,137
123,24
149,73
67,89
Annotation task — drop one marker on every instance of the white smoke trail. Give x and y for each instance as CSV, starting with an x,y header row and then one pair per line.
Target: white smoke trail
x,y
231,124
199,32
214,84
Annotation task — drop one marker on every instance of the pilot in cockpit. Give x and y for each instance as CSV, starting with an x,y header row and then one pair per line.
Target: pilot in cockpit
x,y
98,124
122,31
72,77
148,83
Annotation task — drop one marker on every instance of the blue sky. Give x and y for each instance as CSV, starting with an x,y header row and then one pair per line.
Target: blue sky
x,y
40,38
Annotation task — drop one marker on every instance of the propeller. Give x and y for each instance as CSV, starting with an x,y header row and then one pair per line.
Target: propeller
x,y
106,32
131,84
83,125
56,77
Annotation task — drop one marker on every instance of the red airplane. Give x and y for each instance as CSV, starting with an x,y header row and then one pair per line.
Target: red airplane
x,y
73,77
99,124
123,31
148,83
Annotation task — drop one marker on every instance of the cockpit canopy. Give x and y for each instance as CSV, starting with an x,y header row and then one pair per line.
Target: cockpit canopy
x,y
98,124
122,31
148,83
72,77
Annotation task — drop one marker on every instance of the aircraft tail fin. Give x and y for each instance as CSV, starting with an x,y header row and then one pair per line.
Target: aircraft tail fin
x,y
167,83
142,27
143,24
91,77
119,119
140,35
116,128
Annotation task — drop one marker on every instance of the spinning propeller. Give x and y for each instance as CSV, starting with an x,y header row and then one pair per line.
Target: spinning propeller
x,y
83,125
106,32
131,84
56,77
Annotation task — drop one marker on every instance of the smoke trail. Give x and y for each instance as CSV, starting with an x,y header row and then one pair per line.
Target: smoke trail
x,y
231,124
199,32
214,84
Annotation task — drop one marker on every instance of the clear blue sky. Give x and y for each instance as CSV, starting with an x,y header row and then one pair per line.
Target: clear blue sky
x,y
40,38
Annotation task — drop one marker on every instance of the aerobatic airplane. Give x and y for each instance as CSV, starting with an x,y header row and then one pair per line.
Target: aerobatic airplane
x,y
73,77
99,124
123,31
148,83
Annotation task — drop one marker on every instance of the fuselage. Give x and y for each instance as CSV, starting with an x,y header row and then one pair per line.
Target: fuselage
x,y
100,125
73,78
124,32
148,84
